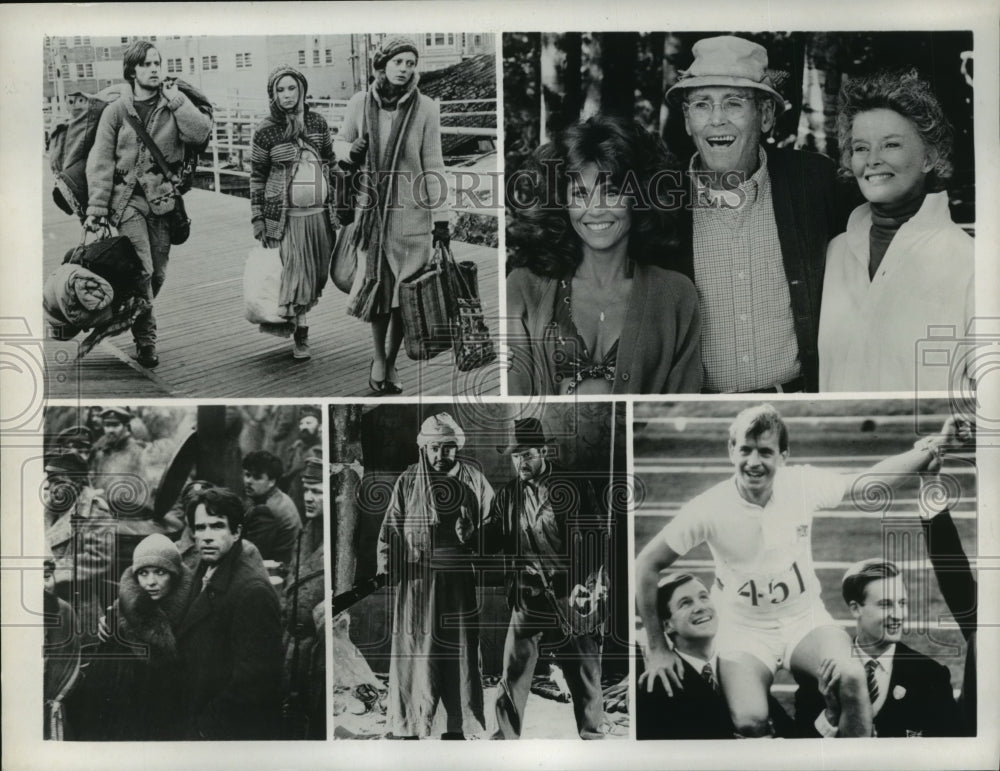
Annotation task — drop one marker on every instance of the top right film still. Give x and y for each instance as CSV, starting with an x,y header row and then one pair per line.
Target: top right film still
x,y
705,212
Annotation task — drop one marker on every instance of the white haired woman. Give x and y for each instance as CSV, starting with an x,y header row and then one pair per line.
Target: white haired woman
x,y
903,266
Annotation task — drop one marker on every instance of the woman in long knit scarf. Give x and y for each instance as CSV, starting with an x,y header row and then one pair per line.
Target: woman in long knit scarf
x,y
290,204
392,133
903,265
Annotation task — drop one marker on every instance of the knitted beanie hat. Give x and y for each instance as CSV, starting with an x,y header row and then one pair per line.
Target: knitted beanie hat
x,y
279,72
156,551
392,46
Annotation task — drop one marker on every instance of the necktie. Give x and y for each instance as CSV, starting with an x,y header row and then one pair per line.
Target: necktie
x,y
709,675
872,682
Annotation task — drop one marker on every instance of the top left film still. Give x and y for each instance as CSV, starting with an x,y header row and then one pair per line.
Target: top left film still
x,y
273,215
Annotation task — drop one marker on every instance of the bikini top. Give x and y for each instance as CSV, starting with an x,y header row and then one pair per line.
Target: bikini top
x,y
573,359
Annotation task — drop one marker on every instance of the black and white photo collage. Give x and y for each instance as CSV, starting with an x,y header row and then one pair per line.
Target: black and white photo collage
x,y
465,372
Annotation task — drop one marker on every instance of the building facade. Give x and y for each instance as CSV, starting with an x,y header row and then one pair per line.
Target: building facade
x,y
234,69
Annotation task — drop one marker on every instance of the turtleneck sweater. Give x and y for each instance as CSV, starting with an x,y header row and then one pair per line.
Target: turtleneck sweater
x,y
887,219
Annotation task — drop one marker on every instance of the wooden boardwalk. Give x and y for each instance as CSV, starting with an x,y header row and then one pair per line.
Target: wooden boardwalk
x,y
207,348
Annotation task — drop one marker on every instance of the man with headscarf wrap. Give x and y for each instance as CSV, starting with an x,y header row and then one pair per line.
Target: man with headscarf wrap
x,y
435,633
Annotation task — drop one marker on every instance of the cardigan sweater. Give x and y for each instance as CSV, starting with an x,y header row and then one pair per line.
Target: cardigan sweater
x,y
272,168
117,157
658,349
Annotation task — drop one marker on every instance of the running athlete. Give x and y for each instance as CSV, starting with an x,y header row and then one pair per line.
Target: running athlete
x,y
758,526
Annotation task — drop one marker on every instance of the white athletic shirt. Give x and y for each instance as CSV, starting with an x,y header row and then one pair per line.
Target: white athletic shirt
x,y
763,554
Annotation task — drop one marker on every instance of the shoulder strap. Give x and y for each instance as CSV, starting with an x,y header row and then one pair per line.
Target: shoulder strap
x,y
151,146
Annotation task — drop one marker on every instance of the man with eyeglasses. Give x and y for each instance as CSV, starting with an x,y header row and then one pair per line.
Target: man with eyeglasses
x,y
554,536
755,230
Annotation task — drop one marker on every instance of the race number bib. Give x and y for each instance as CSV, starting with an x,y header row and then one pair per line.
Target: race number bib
x,y
770,590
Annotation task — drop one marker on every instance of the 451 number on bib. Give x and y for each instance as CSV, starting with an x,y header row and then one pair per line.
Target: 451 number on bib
x,y
773,590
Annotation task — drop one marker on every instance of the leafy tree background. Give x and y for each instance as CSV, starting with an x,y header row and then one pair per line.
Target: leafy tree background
x,y
553,79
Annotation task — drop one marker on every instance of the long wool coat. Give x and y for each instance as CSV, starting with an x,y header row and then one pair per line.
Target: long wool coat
x,y
143,688
230,643
421,194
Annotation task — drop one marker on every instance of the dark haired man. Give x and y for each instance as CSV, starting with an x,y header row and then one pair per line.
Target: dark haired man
x,y
126,186
309,441
272,521
555,538
758,526
230,636
910,693
698,711
755,233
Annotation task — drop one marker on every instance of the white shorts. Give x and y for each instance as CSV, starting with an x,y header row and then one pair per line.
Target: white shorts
x,y
771,640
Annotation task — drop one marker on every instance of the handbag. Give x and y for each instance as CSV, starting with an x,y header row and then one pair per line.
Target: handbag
x,y
178,221
471,341
344,262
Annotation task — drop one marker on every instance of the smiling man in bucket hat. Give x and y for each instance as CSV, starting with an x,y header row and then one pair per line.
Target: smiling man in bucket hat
x,y
754,236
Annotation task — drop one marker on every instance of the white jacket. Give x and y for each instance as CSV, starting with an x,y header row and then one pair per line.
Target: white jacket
x,y
906,329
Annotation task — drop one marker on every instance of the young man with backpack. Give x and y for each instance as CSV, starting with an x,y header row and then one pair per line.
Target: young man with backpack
x,y
125,184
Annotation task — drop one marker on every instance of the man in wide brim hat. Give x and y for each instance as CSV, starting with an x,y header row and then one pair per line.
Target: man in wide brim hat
x,y
524,434
728,61
761,218
538,520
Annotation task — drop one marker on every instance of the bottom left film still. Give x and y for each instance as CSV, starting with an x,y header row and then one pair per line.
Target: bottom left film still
x,y
185,581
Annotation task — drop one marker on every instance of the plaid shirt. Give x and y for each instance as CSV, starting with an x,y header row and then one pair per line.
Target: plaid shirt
x,y
748,332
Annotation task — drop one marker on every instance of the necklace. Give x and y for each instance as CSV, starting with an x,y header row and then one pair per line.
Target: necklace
x,y
616,297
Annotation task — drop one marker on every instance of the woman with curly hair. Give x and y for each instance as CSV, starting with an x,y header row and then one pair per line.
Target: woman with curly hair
x,y
392,133
290,204
588,311
903,264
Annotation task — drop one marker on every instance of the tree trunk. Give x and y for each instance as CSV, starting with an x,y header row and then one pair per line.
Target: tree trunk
x,y
345,460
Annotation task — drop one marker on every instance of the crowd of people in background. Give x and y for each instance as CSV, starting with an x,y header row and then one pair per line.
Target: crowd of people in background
x,y
200,618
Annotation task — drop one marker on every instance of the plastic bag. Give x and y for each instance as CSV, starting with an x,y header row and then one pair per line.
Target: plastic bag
x,y
261,285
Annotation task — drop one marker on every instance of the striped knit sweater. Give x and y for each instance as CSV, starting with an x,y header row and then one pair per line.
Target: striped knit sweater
x,y
272,162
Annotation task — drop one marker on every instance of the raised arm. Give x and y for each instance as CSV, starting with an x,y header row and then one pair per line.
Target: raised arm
x,y
896,469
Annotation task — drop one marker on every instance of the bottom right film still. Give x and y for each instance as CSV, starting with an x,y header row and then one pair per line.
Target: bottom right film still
x,y
804,570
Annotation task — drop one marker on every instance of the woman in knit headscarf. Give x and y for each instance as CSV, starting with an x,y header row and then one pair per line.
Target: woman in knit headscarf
x,y
393,134
903,265
143,686
290,204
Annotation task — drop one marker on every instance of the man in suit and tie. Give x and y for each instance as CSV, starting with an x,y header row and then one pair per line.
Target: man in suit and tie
x,y
230,636
910,693
699,709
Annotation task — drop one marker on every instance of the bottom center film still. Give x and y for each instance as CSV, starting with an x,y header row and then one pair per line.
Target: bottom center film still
x,y
805,569
480,570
